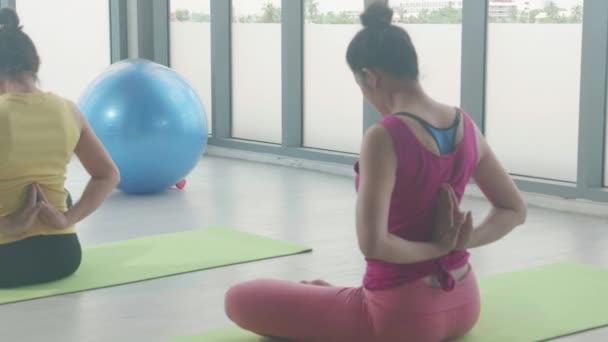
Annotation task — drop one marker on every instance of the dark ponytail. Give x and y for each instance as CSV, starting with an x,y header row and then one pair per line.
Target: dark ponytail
x,y
382,45
18,54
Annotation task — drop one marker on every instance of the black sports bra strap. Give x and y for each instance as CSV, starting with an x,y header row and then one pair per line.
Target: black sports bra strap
x,y
422,122
427,125
457,118
429,128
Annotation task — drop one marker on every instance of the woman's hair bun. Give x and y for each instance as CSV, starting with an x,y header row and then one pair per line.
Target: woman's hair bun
x,y
9,20
377,16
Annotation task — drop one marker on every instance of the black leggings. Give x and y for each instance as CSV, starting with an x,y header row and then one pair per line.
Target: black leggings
x,y
39,259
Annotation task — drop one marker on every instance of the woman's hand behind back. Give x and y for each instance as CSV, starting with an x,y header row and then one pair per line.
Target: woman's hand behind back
x,y
49,215
21,220
452,228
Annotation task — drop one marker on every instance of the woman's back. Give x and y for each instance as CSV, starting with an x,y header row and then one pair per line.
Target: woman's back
x,y
421,173
38,135
419,176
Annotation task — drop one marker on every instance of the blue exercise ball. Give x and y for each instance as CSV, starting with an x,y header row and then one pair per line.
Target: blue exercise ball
x,y
150,120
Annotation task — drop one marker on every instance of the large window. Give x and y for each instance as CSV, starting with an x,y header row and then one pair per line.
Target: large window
x,y
436,31
333,105
73,40
533,84
256,70
191,46
332,98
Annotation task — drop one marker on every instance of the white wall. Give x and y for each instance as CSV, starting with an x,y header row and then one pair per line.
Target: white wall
x,y
191,57
533,84
532,96
333,104
132,31
256,82
73,41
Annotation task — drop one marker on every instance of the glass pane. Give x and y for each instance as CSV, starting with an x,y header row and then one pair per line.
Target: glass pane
x,y
436,30
256,70
191,46
73,52
333,105
533,84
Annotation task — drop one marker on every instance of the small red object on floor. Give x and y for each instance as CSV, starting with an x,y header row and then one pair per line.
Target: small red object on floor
x,y
181,184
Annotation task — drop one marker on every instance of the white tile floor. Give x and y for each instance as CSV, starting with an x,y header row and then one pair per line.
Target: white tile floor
x,y
308,207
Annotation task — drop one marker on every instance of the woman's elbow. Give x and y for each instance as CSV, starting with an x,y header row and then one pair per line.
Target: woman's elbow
x,y
111,175
115,176
365,249
520,213
370,247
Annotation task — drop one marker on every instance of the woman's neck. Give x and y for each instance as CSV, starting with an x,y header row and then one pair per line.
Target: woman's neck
x,y
408,97
22,84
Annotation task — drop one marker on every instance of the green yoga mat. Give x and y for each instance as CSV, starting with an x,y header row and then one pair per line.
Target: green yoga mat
x,y
158,256
526,306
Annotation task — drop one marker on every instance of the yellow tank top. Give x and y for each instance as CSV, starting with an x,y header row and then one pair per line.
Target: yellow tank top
x,y
38,135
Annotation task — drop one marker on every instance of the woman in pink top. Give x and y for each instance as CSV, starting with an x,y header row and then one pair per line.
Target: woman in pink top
x,y
415,165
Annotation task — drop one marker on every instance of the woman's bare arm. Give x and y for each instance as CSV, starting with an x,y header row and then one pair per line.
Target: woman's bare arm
x,y
508,207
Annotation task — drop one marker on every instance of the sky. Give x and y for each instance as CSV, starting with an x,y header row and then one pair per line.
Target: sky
x,y
244,7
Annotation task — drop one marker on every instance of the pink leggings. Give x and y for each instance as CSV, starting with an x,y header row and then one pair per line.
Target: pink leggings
x,y
308,313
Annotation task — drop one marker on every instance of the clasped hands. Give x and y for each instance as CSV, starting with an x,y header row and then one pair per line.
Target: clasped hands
x,y
36,206
452,228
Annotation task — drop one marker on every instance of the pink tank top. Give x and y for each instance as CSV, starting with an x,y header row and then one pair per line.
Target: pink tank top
x,y
420,174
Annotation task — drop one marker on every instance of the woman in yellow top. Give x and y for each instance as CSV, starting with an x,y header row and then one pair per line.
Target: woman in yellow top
x,y
39,133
